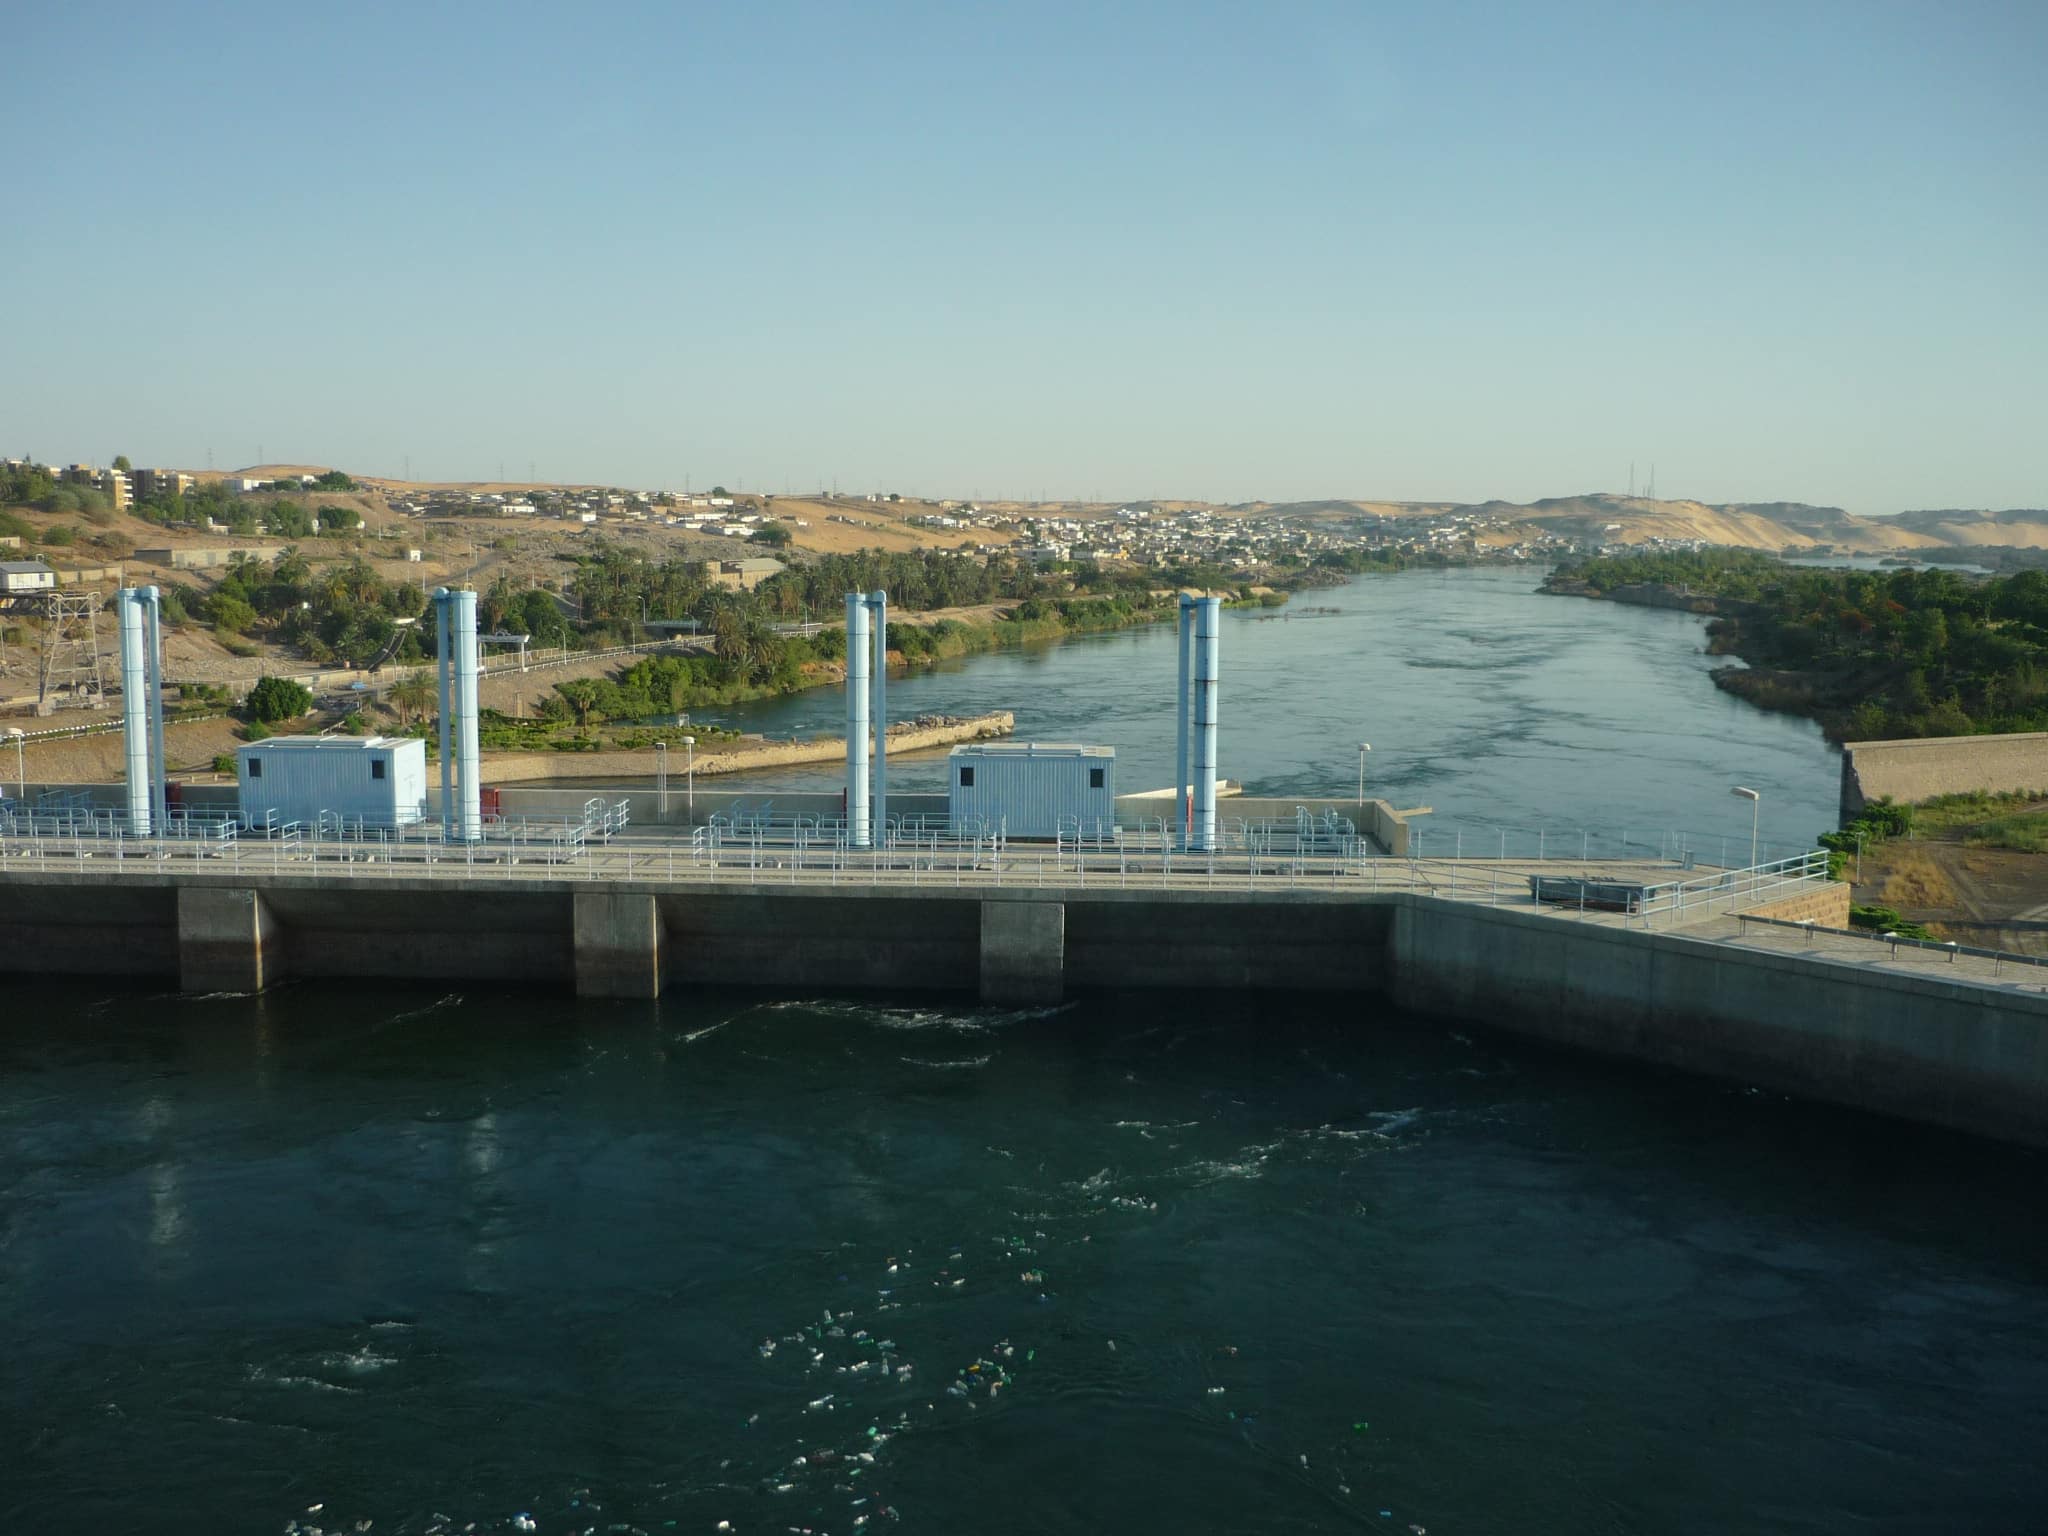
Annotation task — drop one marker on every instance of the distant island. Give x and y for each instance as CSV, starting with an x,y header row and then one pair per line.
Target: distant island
x,y
1871,655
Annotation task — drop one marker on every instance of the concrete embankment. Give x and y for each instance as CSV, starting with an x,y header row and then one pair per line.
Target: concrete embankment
x,y
1920,768
1969,1057
1948,1053
742,756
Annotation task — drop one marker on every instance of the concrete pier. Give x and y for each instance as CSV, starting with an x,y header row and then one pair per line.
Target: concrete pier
x,y
1023,951
618,945
228,940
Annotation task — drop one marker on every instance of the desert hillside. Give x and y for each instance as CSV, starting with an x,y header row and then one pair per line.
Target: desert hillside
x,y
1764,525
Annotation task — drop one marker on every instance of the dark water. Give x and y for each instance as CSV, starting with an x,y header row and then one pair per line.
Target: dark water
x,y
1305,1267
1498,706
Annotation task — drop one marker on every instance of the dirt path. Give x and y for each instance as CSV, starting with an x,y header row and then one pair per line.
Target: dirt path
x,y
98,759
1994,897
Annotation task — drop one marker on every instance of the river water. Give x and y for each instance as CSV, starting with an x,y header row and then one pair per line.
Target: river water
x,y
1503,709
441,1261
1133,1265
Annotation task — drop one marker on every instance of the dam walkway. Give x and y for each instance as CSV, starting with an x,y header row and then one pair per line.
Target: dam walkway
x,y
1630,892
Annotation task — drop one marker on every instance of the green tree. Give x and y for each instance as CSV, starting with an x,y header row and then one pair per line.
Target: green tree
x,y
293,569
581,694
729,635
229,613
774,535
287,518
278,698
121,463
412,696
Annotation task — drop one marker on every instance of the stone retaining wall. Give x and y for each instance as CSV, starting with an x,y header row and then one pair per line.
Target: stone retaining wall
x,y
527,767
1827,907
1919,769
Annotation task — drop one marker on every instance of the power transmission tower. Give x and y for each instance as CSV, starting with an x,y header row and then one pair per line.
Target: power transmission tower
x,y
70,676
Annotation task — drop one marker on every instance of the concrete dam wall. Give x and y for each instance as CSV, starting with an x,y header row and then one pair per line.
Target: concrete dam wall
x,y
1921,768
1970,1057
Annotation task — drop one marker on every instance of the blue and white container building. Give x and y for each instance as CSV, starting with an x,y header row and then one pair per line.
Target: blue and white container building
x,y
348,783
1032,789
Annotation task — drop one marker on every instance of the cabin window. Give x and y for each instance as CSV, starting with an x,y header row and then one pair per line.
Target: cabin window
x,y
255,767
967,778
376,768
1095,778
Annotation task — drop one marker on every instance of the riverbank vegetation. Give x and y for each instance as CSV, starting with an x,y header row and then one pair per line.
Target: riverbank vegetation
x,y
343,613
2017,820
1870,655
758,650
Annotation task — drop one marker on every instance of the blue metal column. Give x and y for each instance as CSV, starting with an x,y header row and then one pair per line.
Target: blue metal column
x,y
1180,728
879,601
159,786
857,720
134,617
470,825
441,620
1208,648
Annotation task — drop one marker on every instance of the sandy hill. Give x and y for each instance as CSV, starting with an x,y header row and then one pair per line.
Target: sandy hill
x,y
1776,525
2020,527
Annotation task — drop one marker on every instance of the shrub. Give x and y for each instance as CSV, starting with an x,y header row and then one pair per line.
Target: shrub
x,y
1887,920
224,763
278,698
255,730
228,613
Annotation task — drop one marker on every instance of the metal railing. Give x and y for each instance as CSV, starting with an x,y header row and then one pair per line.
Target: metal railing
x,y
757,847
1949,949
1485,840
1722,891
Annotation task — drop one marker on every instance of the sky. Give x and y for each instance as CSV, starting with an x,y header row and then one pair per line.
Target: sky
x,y
1784,251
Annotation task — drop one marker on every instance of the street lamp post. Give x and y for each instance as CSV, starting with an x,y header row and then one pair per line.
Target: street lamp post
x,y
1363,748
1756,802
20,761
661,775
690,775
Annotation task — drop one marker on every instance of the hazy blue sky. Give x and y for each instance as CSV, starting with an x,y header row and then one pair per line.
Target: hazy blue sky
x,y
1416,250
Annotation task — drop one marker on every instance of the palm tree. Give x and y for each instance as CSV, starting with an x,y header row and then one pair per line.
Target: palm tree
x,y
729,635
412,695
580,694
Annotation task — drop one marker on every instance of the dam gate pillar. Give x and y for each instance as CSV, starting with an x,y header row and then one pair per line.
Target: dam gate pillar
x,y
228,940
618,945
1023,951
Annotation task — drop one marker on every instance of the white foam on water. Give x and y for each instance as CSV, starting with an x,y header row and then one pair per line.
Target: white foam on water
x,y
1397,1119
450,1000
358,1361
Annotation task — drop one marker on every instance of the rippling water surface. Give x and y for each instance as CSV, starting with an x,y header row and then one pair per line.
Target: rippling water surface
x,y
1132,1265
1502,708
